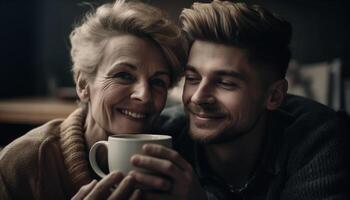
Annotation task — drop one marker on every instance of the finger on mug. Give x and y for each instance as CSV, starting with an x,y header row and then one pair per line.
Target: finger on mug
x,y
166,153
102,188
136,195
125,189
157,165
152,181
84,190
157,196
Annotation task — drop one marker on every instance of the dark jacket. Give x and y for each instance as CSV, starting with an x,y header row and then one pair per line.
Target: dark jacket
x,y
304,155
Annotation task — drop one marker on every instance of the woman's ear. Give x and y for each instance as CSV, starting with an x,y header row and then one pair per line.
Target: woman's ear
x,y
276,94
82,88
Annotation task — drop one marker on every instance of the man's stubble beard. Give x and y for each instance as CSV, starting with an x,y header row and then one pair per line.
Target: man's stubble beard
x,y
226,136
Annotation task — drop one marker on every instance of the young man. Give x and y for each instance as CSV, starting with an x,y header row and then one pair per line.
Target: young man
x,y
243,137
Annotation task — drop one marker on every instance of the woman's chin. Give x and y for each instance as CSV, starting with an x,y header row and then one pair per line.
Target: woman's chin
x,y
130,128
127,132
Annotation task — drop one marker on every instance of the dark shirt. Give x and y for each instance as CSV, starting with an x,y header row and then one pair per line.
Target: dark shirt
x,y
303,156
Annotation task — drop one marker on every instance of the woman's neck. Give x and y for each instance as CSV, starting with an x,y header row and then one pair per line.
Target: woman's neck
x,y
93,132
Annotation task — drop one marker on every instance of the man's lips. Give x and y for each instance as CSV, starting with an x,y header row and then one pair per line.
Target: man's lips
x,y
207,115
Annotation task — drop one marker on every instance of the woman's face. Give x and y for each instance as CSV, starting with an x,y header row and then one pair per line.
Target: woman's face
x,y
130,87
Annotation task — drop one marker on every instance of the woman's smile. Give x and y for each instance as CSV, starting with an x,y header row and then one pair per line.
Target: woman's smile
x,y
133,115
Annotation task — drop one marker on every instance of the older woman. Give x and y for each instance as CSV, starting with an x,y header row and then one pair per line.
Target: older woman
x,y
125,57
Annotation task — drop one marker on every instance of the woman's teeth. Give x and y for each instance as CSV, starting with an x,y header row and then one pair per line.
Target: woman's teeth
x,y
133,114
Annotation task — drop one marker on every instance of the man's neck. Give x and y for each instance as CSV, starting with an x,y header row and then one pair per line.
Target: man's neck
x,y
235,161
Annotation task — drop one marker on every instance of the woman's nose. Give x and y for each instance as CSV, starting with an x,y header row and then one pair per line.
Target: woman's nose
x,y
141,92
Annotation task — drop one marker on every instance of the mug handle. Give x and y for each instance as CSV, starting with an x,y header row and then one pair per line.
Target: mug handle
x,y
92,157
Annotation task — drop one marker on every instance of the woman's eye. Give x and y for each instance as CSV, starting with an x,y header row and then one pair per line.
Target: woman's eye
x,y
159,83
124,76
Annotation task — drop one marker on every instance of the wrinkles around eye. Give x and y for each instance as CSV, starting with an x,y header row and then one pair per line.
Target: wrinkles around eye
x,y
124,76
107,84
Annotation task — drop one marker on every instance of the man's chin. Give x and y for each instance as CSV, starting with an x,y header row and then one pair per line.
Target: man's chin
x,y
205,136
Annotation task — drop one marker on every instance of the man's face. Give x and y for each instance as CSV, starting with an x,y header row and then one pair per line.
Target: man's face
x,y
222,95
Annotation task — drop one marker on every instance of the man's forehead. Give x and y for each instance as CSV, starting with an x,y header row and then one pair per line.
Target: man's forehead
x,y
207,46
217,56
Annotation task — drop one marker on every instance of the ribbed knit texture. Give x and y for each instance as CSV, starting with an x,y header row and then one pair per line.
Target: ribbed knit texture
x,y
74,148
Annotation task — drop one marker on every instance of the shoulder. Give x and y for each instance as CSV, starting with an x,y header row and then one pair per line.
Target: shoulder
x,y
307,116
313,133
23,153
309,119
315,147
300,106
310,115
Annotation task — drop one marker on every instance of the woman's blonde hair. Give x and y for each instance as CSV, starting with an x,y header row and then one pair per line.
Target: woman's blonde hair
x,y
90,37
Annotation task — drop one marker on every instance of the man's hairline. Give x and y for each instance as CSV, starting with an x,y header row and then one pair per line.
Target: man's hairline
x,y
255,65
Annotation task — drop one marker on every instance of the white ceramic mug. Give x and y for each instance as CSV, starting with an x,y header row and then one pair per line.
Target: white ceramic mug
x,y
122,147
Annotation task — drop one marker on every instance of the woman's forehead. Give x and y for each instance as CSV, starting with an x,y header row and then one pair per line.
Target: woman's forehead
x,y
133,50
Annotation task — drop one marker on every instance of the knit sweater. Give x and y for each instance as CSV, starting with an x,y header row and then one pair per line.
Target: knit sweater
x,y
303,156
49,162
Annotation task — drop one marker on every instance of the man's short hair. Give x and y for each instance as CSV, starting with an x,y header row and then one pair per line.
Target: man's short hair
x,y
263,35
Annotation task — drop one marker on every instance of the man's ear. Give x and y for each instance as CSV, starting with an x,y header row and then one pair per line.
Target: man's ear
x,y
82,88
276,93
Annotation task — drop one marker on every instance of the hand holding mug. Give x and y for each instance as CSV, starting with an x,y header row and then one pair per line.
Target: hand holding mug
x,y
177,179
113,186
120,149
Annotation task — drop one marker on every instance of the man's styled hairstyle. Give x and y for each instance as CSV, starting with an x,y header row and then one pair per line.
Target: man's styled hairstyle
x,y
89,39
264,36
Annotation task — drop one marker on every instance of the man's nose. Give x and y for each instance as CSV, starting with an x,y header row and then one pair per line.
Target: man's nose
x,y
203,94
141,92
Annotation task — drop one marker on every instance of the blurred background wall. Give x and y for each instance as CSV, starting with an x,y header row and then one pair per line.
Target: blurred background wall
x,y
35,48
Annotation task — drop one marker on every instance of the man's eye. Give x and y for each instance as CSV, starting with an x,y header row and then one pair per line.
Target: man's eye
x,y
227,84
124,76
192,79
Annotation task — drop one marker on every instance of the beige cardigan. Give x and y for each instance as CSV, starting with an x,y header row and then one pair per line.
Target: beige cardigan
x,y
49,162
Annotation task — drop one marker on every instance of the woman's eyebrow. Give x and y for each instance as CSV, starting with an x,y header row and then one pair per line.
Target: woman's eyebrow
x,y
160,73
124,64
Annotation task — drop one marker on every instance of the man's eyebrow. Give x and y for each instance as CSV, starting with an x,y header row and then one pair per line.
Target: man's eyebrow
x,y
233,74
190,68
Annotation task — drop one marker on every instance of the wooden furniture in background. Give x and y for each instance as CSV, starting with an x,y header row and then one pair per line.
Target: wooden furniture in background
x,y
34,111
